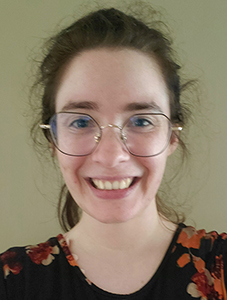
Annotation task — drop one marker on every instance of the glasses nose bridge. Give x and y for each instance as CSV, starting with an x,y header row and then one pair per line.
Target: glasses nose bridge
x,y
111,126
114,126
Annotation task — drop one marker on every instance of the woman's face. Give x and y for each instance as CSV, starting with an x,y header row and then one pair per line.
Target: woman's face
x,y
111,86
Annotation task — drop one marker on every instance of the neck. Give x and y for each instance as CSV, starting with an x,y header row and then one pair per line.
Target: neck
x,y
137,232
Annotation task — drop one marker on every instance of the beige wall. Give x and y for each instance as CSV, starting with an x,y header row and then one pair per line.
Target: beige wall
x,y
28,192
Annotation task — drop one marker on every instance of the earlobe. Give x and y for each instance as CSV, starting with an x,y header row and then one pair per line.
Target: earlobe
x,y
174,141
52,149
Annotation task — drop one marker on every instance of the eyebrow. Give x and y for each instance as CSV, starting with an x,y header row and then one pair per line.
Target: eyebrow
x,y
129,107
81,104
143,106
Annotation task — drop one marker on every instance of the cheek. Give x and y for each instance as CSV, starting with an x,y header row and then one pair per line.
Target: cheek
x,y
155,167
70,167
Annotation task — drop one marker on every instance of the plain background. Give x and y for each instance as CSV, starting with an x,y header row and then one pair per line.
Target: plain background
x,y
29,190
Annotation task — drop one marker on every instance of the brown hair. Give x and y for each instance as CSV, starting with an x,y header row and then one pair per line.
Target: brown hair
x,y
105,28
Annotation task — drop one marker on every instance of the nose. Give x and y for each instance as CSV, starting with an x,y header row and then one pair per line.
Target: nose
x,y
111,150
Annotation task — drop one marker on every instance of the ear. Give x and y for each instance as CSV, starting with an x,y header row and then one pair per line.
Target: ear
x,y
52,149
174,141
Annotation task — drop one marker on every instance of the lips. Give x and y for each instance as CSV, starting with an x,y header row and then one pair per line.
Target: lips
x,y
114,185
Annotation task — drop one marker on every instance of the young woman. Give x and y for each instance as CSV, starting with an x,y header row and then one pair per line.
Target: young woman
x,y
112,116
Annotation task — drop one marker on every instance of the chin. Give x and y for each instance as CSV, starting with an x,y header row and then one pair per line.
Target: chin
x,y
115,215
113,220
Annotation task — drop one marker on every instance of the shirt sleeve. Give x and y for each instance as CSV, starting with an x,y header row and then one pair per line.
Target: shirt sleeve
x,y
216,265
223,255
3,293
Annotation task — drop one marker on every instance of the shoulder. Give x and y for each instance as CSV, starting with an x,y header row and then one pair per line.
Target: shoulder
x,y
207,242
205,255
26,269
14,259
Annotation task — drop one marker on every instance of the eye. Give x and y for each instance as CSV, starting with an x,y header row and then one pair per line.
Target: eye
x,y
81,122
142,124
141,121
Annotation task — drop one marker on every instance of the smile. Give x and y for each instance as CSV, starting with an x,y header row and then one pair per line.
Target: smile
x,y
115,185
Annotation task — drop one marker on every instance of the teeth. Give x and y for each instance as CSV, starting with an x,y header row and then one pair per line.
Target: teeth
x,y
107,185
116,185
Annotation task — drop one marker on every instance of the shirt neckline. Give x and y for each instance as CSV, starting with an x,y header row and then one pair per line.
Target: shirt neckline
x,y
73,263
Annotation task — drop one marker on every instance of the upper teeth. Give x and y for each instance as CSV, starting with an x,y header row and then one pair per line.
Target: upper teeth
x,y
116,185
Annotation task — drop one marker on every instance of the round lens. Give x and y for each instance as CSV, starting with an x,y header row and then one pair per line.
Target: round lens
x,y
147,134
73,133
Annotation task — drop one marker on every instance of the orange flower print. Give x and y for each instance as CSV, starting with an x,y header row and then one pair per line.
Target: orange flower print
x,y
197,261
190,238
202,286
63,244
183,260
205,284
224,236
71,259
42,253
218,275
199,264
10,263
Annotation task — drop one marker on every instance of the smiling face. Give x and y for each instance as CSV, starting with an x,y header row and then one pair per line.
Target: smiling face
x,y
111,185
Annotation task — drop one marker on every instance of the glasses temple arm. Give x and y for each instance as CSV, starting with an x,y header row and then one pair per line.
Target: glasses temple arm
x,y
179,128
44,126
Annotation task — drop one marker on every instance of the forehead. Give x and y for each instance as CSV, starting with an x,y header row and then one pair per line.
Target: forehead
x,y
112,79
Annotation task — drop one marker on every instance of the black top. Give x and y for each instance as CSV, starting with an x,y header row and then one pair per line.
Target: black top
x,y
194,267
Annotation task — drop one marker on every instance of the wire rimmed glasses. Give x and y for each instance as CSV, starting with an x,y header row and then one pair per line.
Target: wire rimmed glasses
x,y
77,134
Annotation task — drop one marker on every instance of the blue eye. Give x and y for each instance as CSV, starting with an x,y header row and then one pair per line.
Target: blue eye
x,y
140,122
81,123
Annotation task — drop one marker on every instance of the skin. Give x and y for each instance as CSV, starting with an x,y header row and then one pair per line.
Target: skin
x,y
111,80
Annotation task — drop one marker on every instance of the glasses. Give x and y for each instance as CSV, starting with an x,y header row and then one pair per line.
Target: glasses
x,y
143,135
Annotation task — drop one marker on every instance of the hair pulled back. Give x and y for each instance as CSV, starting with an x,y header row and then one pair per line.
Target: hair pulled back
x,y
105,28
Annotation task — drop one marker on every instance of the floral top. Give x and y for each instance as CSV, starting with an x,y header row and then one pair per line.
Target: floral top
x,y
194,267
